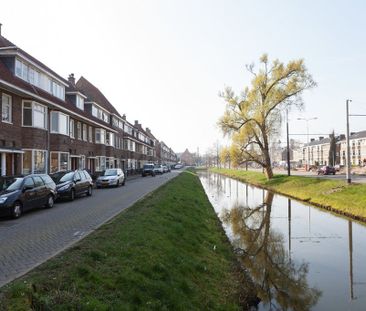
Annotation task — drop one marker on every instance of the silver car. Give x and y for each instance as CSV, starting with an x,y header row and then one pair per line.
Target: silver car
x,y
111,177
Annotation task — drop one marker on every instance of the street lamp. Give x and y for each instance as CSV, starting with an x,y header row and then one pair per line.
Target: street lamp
x,y
307,134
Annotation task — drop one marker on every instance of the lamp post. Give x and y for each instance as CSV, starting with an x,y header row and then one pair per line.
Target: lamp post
x,y
307,134
348,152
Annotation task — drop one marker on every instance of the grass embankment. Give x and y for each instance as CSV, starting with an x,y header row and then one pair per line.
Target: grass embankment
x,y
167,252
334,195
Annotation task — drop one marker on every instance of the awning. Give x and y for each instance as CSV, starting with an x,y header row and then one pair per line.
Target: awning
x,y
6,150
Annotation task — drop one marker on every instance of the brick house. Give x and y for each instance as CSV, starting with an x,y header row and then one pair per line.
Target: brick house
x,y
50,124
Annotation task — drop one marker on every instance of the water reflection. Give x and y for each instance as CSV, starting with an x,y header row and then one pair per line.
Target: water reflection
x,y
280,283
294,266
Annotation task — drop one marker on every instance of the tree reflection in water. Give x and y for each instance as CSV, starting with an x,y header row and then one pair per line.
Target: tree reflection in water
x,y
281,284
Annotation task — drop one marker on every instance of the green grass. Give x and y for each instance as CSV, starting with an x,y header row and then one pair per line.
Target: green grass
x,y
335,195
167,252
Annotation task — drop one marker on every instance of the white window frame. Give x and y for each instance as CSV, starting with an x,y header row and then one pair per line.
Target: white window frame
x,y
85,132
58,130
32,109
58,160
10,103
100,130
79,130
72,128
90,134
80,102
32,160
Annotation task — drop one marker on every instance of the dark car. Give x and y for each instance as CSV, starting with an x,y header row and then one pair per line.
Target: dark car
x,y
70,184
326,170
148,169
19,194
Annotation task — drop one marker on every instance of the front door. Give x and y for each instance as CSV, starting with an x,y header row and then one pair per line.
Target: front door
x,y
74,163
9,164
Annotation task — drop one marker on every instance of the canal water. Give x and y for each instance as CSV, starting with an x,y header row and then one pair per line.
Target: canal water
x,y
299,257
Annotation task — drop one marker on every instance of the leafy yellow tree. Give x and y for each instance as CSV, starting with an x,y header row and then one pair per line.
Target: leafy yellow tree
x,y
255,116
225,157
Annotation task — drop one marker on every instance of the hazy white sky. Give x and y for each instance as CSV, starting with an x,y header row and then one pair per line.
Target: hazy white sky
x,y
164,62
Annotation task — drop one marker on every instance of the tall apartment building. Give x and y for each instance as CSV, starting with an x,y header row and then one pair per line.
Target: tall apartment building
x,y
50,124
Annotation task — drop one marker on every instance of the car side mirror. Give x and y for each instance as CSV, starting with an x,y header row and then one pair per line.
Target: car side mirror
x,y
25,188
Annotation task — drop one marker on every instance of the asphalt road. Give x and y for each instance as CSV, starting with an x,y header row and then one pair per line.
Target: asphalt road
x,y
41,234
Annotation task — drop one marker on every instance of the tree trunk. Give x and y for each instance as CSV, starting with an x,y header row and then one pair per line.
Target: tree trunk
x,y
268,172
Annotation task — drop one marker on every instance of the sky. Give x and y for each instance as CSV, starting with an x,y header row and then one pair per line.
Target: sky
x,y
163,62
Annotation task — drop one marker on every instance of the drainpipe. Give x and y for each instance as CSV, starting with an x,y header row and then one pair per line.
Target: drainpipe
x,y
48,162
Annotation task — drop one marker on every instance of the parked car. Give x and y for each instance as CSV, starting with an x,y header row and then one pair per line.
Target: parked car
x,y
148,169
70,184
165,169
178,166
326,170
158,169
111,177
20,194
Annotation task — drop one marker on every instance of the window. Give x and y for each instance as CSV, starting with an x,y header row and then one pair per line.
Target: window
x,y
101,164
27,162
78,130
30,74
72,129
79,102
34,161
34,115
38,182
110,139
59,123
85,132
59,161
100,114
100,136
90,134
6,108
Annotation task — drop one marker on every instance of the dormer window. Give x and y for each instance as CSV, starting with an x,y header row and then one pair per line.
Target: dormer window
x,y
30,74
79,102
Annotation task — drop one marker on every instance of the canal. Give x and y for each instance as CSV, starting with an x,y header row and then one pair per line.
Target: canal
x,y
299,257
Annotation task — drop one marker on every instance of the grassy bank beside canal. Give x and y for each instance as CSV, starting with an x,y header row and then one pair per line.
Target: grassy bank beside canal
x,y
334,195
167,252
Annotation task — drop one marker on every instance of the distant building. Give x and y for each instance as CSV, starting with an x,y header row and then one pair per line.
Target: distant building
x,y
187,158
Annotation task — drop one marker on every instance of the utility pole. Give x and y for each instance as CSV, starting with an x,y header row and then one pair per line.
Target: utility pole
x,y
348,159
307,139
288,146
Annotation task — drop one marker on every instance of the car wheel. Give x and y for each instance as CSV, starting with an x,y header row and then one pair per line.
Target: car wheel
x,y
98,187
50,201
16,210
90,191
72,195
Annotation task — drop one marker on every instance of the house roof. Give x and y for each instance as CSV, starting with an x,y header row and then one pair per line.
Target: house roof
x,y
11,81
318,142
95,95
6,43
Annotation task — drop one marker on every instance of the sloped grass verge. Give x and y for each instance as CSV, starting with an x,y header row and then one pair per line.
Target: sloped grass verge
x,y
167,252
334,195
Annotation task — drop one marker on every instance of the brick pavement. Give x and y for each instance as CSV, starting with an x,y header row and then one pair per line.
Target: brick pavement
x,y
43,233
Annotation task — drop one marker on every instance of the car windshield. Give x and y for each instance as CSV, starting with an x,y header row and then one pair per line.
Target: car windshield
x,y
148,166
110,172
11,184
67,177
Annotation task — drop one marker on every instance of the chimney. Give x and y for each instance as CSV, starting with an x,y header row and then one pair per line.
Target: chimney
x,y
148,130
312,139
71,78
342,137
353,133
124,117
321,137
137,123
0,28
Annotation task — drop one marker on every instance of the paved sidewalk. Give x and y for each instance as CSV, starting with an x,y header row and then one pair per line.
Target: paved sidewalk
x,y
41,234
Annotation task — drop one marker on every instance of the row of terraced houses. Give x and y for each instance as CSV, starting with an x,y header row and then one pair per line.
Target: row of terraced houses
x,y
50,124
